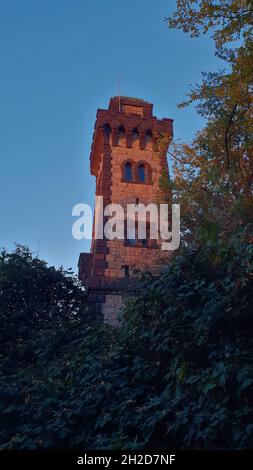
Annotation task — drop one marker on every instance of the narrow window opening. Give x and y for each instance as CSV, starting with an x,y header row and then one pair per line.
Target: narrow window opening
x,y
145,241
121,135
149,138
126,270
131,241
128,172
141,173
135,137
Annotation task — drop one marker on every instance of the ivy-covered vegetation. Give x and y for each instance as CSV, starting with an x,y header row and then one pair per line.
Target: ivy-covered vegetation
x,y
34,298
178,373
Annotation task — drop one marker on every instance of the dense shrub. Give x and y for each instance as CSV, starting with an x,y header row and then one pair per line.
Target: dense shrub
x,y
178,373
34,298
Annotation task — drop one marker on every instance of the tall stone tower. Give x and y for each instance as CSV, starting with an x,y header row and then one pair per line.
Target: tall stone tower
x,y
127,165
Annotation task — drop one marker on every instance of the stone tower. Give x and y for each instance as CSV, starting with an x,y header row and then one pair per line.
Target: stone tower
x,y
127,165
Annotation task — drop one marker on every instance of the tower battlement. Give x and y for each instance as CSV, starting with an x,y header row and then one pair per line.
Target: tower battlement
x,y
127,165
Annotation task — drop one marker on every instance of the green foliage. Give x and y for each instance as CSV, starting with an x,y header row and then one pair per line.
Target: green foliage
x,y
34,298
178,373
228,20
213,178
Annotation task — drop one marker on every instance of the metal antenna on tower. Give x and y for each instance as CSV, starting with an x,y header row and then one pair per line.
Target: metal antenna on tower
x,y
119,94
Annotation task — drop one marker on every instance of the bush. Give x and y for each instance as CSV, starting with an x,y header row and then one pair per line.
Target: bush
x,y
34,298
178,373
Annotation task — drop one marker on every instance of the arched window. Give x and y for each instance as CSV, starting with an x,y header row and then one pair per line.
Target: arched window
x,y
148,139
128,174
107,132
141,173
135,137
121,136
107,129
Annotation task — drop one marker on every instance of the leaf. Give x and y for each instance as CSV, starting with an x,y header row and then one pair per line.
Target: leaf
x,y
209,387
246,383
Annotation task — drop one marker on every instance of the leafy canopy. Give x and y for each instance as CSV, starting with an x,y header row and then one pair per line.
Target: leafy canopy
x,y
34,298
213,177
178,373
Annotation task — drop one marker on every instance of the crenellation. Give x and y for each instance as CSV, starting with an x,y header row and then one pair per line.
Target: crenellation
x,y
123,134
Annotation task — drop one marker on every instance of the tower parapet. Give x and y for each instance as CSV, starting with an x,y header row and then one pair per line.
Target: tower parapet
x,y
127,165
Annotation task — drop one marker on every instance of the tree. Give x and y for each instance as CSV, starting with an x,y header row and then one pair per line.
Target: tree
x,y
213,177
178,374
35,298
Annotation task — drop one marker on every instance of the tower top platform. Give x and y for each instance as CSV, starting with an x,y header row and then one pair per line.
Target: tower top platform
x,y
129,114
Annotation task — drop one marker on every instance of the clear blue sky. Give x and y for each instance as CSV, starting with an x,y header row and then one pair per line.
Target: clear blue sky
x,y
59,62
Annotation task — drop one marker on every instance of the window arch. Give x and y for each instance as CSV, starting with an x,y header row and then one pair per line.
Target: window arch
x,y
121,135
136,172
128,172
135,137
141,172
148,139
107,132
107,129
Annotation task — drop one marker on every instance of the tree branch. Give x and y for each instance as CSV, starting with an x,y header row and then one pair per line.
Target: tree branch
x,y
226,135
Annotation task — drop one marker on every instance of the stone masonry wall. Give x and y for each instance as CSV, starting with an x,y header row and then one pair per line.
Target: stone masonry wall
x,y
129,192
126,131
111,308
